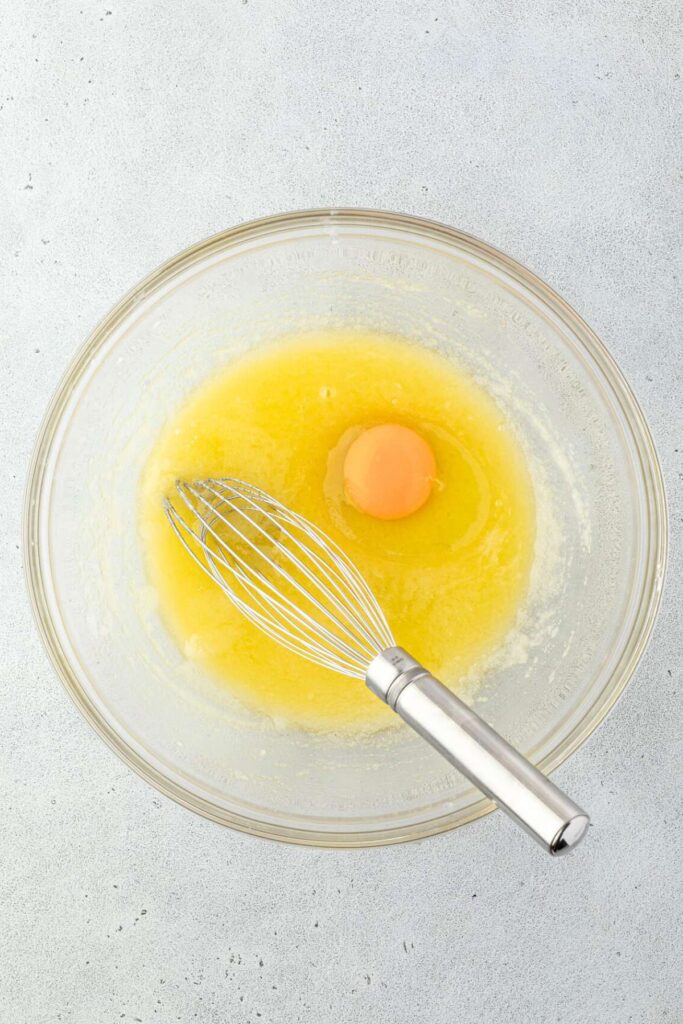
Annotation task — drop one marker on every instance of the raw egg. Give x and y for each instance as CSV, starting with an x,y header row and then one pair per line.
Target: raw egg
x,y
389,471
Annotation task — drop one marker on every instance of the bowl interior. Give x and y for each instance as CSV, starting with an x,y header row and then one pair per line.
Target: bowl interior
x,y
599,556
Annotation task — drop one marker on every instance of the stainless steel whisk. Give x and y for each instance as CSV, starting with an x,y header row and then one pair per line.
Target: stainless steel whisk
x,y
300,588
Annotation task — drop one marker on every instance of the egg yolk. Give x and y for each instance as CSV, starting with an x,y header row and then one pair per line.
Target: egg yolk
x,y
389,471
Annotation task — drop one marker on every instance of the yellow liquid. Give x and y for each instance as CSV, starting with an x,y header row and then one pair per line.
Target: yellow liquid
x,y
450,577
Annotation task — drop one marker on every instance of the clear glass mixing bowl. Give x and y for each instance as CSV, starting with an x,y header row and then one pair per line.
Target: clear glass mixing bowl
x,y
585,436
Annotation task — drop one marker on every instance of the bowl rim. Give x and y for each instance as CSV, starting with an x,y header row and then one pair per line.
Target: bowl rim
x,y
655,560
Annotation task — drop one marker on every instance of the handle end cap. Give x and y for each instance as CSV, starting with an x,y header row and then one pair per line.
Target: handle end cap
x,y
570,835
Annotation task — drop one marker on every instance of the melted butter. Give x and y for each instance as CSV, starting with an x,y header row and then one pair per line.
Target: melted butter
x,y
450,578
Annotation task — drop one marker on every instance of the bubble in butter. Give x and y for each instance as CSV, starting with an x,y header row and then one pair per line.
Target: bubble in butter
x,y
450,575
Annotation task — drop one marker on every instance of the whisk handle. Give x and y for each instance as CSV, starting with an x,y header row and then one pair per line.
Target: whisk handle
x,y
476,750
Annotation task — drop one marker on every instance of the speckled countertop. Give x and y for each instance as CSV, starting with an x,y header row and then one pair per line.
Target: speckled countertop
x,y
129,131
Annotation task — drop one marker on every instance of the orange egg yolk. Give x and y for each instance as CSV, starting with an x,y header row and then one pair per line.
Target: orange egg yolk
x,y
389,471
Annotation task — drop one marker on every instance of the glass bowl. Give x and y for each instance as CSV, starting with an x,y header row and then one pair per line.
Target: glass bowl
x,y
601,526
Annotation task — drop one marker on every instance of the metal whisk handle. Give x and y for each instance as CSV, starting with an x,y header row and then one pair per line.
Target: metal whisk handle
x,y
476,750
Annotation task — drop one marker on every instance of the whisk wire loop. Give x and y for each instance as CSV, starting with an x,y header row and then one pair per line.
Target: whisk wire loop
x,y
341,575
247,574
257,549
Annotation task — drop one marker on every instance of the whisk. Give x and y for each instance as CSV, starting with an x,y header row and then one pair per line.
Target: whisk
x,y
299,587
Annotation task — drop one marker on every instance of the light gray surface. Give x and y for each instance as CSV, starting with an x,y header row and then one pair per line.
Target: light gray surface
x,y
130,130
